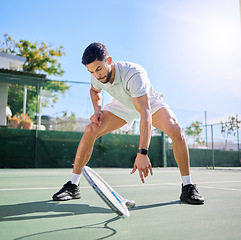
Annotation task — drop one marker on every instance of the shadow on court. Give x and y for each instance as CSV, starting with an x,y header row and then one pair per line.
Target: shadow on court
x,y
15,212
18,212
155,205
103,225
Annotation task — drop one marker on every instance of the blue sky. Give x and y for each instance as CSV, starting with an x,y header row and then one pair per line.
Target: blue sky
x,y
191,49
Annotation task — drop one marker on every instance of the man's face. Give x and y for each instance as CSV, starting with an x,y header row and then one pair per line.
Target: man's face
x,y
101,70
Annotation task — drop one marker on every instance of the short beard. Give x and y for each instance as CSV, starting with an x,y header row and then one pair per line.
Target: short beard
x,y
108,77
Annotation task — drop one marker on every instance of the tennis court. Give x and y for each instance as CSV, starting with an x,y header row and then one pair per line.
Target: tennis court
x,y
27,212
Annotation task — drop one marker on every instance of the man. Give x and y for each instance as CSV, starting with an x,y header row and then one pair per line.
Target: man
x,y
133,97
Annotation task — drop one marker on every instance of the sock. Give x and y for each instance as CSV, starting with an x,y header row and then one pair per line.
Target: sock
x,y
186,180
75,178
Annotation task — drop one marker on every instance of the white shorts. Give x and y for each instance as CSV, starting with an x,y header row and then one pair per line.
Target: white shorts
x,y
130,115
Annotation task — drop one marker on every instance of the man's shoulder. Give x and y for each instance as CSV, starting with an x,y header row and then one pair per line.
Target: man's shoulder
x,y
96,84
126,66
128,69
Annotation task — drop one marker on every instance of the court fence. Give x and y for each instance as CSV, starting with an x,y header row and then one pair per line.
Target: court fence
x,y
216,144
21,148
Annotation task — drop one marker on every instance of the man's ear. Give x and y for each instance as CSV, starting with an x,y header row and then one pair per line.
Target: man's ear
x,y
109,60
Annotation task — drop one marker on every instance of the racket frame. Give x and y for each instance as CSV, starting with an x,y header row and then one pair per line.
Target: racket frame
x,y
123,212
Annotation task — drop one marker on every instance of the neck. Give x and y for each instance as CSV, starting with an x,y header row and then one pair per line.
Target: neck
x,y
112,78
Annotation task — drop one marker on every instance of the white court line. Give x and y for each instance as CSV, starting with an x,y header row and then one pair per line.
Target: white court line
x,y
32,173
85,187
23,189
218,188
65,172
134,185
220,182
229,189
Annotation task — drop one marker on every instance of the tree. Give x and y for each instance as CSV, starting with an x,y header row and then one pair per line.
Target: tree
x,y
229,128
41,59
69,123
195,131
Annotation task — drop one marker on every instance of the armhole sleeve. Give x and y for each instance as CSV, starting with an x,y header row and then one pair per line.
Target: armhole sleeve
x,y
94,83
138,85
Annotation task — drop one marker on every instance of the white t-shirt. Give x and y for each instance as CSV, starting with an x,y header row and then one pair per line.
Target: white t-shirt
x,y
130,81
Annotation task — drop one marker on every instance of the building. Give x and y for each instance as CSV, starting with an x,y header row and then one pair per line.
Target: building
x,y
10,62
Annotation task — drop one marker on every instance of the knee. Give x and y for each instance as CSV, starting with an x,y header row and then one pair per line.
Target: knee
x,y
176,133
91,130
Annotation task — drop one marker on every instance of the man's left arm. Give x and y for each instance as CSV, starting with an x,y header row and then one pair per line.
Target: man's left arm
x,y
142,162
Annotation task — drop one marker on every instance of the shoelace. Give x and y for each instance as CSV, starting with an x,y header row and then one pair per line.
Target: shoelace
x,y
192,190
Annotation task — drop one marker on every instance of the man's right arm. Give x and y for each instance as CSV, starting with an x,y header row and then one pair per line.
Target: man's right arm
x,y
96,97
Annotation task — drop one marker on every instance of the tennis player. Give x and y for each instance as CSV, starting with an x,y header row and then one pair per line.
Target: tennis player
x,y
133,97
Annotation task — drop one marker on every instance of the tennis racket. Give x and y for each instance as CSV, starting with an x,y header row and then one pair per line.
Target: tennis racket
x,y
117,203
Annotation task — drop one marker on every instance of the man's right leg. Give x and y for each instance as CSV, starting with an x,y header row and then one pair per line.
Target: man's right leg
x,y
110,122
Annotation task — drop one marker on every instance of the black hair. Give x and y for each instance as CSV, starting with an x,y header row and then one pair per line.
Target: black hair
x,y
95,51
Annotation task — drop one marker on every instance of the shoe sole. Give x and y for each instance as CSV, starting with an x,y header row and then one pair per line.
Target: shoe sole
x,y
66,198
192,202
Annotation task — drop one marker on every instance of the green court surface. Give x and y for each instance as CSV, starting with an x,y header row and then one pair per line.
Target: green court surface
x,y
27,212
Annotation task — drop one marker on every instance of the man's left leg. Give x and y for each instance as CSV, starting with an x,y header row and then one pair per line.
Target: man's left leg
x,y
165,120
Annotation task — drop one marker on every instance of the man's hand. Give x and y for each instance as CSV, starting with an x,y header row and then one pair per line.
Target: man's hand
x,y
97,118
143,164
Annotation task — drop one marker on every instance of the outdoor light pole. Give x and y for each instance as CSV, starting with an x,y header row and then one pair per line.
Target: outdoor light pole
x,y
25,99
240,11
40,108
238,134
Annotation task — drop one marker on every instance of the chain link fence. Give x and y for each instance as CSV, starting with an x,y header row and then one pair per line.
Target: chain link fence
x,y
217,132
